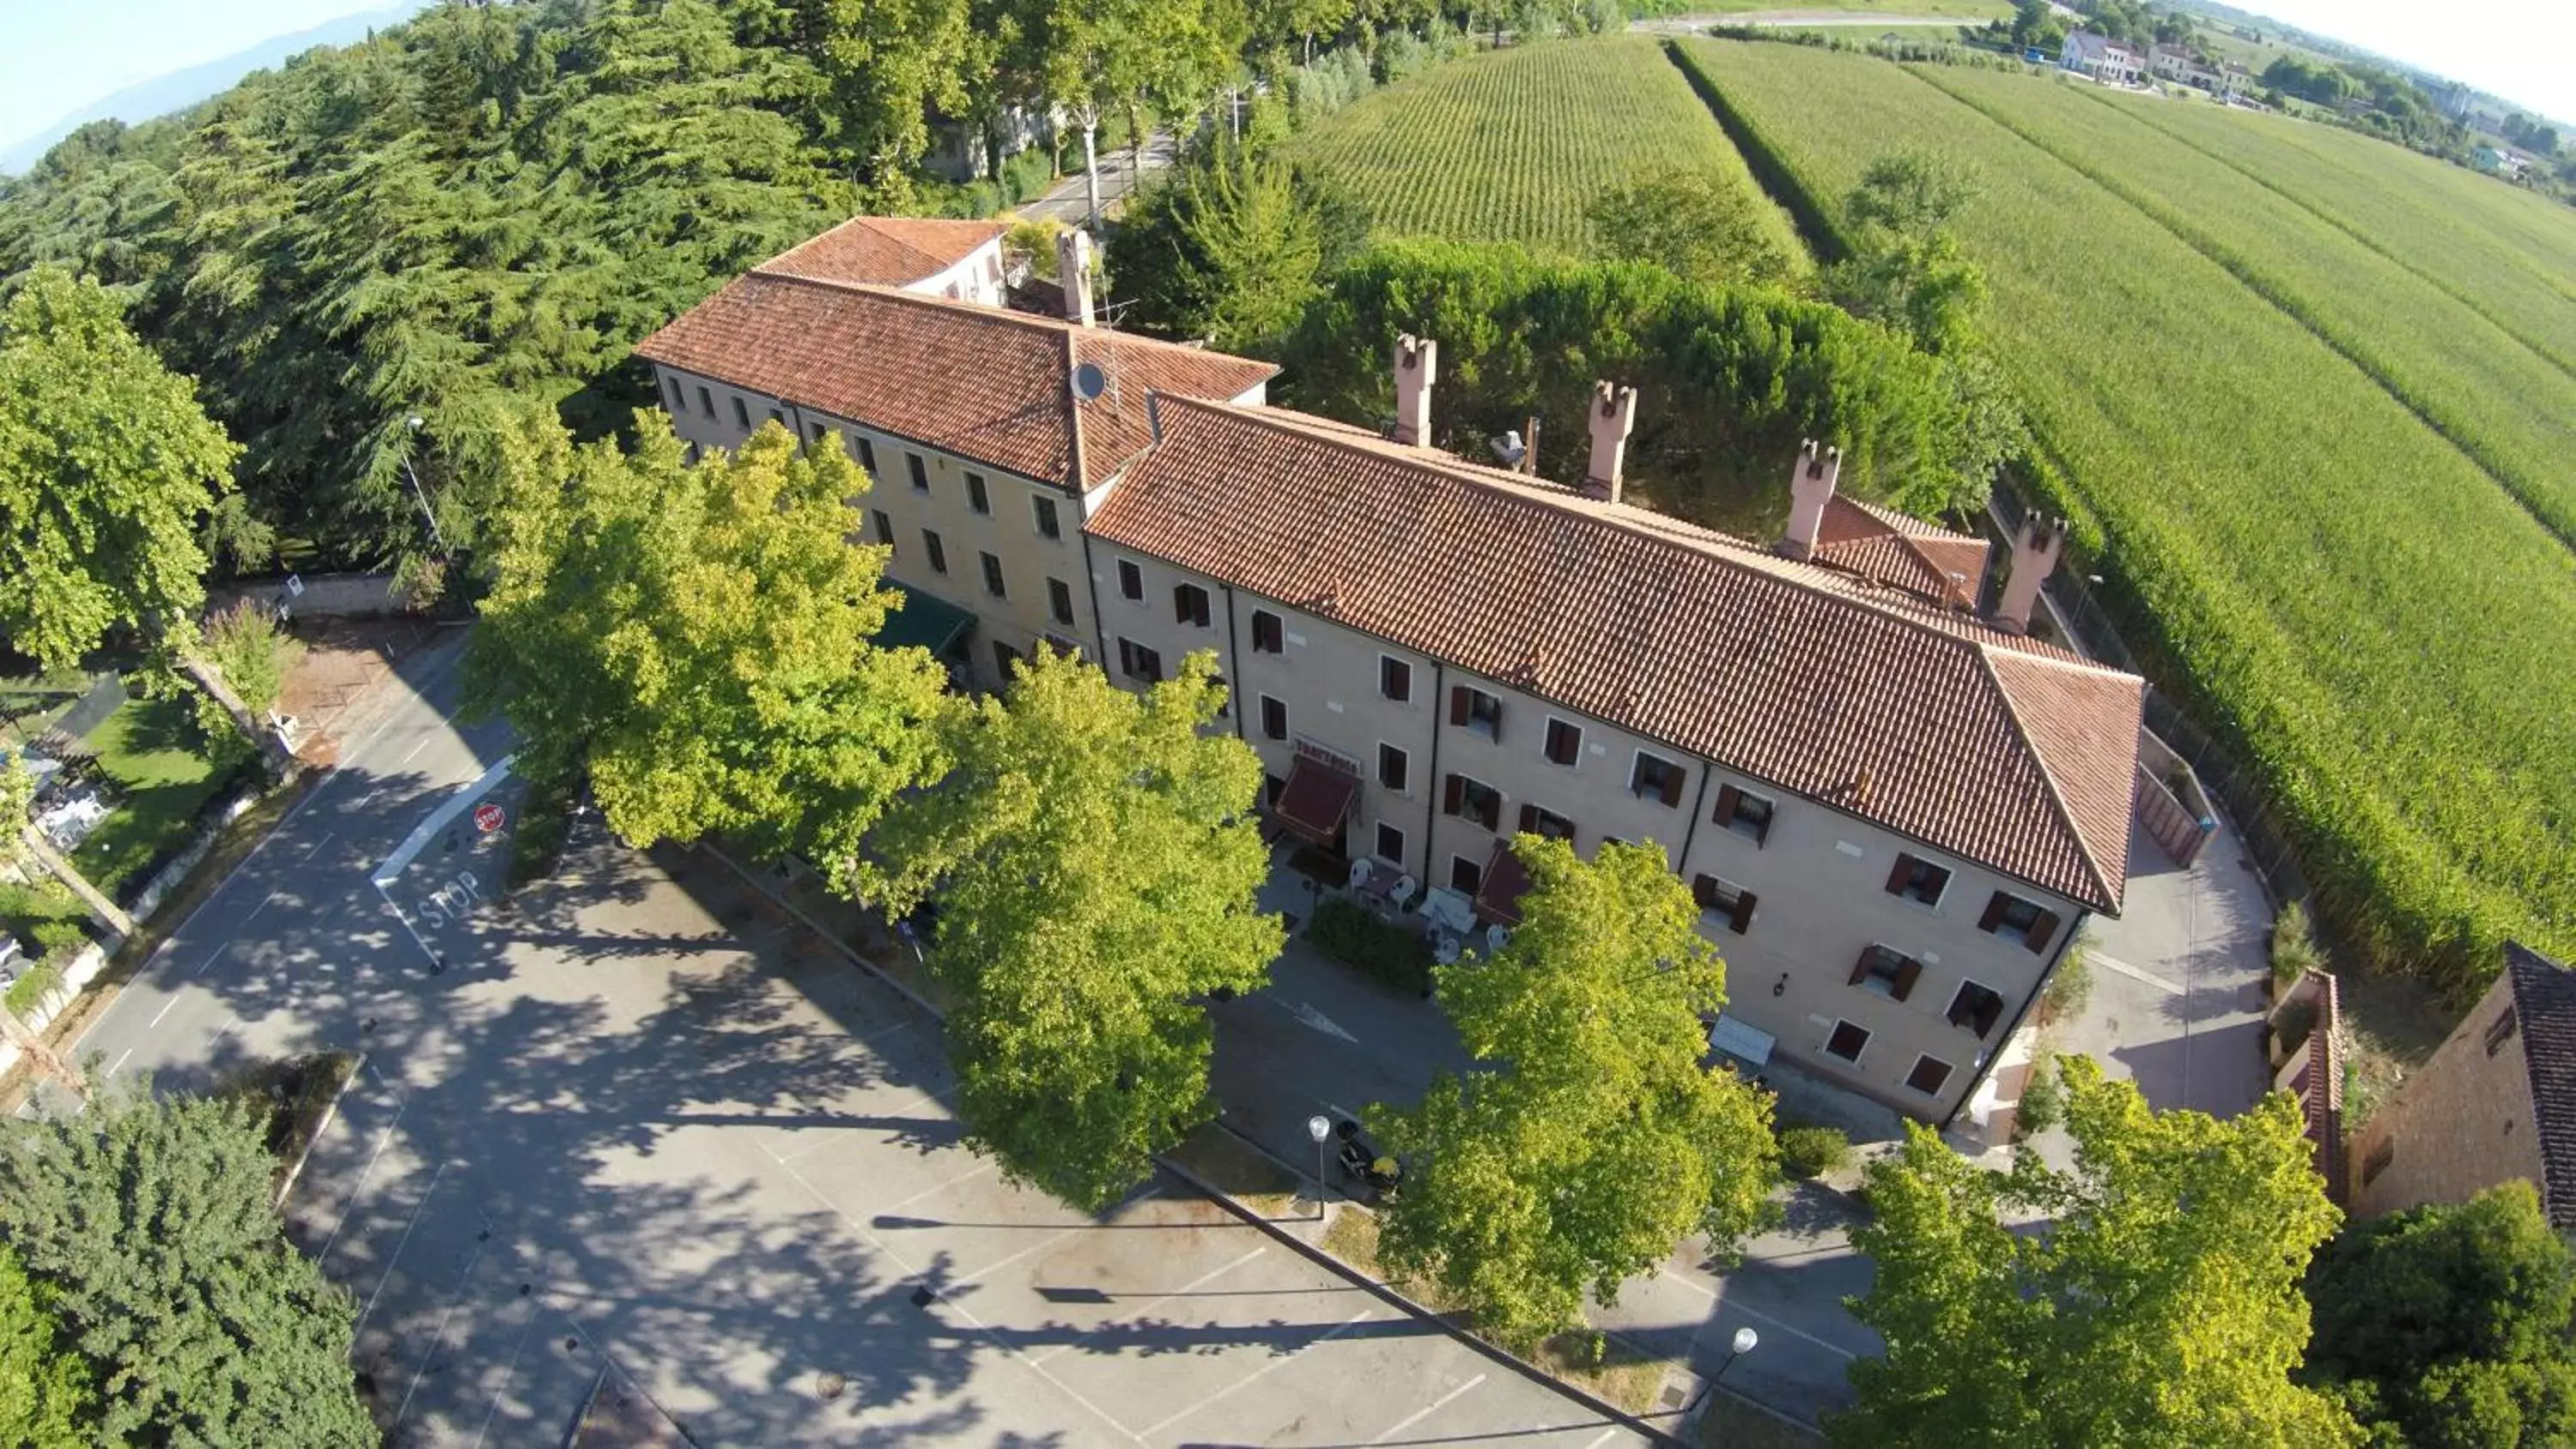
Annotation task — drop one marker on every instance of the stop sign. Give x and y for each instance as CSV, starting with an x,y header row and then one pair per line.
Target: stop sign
x,y
488,818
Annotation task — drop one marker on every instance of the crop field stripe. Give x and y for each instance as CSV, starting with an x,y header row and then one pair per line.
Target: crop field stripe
x,y
2458,293
2553,511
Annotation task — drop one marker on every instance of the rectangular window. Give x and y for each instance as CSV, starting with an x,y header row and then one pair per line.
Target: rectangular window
x,y
2015,919
1003,658
2378,1161
1654,777
1474,709
920,472
976,498
1274,718
1472,800
868,458
1465,875
1537,820
1976,1007
993,577
1929,1076
1846,1041
741,414
1044,509
1722,901
1190,604
778,417
706,404
1746,815
1131,580
1918,880
692,455
1267,635
679,402
1891,974
814,432
1140,663
884,526
1390,843
1394,767
1564,742
1060,600
938,551
2500,1031
1394,678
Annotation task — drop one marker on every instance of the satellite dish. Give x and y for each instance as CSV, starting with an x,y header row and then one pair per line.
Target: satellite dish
x,y
1089,381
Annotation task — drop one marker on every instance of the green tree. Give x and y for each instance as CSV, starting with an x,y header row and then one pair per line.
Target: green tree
x,y
1094,861
253,653
1234,246
21,841
1701,223
107,464
2158,1306
696,638
1593,1139
48,1392
2452,1324
1906,269
148,1223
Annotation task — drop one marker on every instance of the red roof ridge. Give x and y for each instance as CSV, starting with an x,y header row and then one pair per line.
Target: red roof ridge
x,y
2039,758
894,231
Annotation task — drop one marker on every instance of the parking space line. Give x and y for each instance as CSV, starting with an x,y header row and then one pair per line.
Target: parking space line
x,y
1249,1379
1429,1409
988,1165
395,1258
1041,1245
508,1370
360,1190
1783,1324
438,1340
1604,1437
1142,1309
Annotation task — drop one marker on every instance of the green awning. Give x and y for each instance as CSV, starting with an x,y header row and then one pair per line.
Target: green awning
x,y
933,623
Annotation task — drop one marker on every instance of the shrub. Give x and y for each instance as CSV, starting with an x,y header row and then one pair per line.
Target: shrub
x,y
2071,985
2294,945
31,988
2043,1100
1811,1151
1390,953
253,653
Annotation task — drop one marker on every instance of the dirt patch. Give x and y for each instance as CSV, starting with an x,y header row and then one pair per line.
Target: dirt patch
x,y
2391,1027
343,660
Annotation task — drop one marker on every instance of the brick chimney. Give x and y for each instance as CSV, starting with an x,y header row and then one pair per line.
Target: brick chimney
x,y
2034,554
1811,487
1614,412
1073,273
1417,361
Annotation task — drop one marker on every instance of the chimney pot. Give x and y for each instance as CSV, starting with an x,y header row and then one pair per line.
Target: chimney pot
x,y
1073,273
1417,365
1811,487
1614,414
2034,554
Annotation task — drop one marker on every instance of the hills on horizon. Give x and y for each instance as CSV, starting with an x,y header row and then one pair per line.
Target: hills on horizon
x,y
179,89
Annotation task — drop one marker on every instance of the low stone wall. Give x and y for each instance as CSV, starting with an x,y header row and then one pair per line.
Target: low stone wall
x,y
325,596
77,973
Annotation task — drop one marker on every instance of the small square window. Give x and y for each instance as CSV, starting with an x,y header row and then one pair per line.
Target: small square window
x,y
1131,580
1268,637
1473,709
1746,815
2015,919
1976,1007
679,403
884,527
1190,605
1390,844
1929,1076
1538,820
1471,799
1003,658
1466,877
1044,510
976,498
920,472
1846,1041
1274,718
868,457
1394,678
937,551
993,577
706,404
1918,880
741,414
1060,600
1564,742
1655,778
1394,767
1891,974
1140,663
1724,902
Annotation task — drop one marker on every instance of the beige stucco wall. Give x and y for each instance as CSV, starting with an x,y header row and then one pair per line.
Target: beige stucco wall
x,y
977,277
2462,1122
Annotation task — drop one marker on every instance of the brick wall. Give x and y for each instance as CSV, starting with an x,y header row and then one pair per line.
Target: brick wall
x,y
2462,1122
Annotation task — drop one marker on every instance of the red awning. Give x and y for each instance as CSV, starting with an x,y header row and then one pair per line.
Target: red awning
x,y
1499,898
1315,801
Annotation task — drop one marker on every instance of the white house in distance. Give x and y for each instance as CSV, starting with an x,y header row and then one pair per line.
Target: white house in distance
x,y
1893,811
2104,59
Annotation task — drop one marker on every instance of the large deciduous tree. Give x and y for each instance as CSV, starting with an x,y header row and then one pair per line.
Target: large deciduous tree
x,y
1698,221
149,1225
48,1392
697,638
1233,246
1594,1139
107,466
2452,1324
1095,863
2159,1306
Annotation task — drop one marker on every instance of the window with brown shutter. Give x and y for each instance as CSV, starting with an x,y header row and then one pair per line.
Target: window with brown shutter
x,y
1472,708
1274,718
1891,974
1471,799
2010,916
1190,604
1722,901
1267,635
1655,778
1538,820
1394,678
1394,767
1918,880
1976,1007
1131,580
1746,815
1564,742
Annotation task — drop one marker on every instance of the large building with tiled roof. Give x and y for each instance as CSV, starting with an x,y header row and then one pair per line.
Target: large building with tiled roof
x,y
959,260
2496,1102
1894,813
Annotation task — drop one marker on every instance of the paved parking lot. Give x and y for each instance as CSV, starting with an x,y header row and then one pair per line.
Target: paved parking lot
x,y
658,1126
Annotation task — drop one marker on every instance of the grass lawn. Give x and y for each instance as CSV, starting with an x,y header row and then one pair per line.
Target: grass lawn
x,y
153,748
1929,9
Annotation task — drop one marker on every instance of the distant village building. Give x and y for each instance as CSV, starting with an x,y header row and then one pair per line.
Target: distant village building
x,y
2183,67
2496,1102
957,149
2104,59
2496,161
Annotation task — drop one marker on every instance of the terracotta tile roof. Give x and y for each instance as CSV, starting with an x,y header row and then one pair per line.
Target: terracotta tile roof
x,y
2001,750
2544,1000
889,250
1908,553
988,385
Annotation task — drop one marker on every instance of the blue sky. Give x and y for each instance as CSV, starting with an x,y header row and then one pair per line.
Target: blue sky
x,y
62,54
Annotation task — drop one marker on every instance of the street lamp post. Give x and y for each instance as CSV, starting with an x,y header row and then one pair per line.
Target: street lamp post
x,y
1744,1342
1321,1130
435,536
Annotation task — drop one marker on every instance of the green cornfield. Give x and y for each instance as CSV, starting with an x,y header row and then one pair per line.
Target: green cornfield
x,y
1513,145
2308,432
